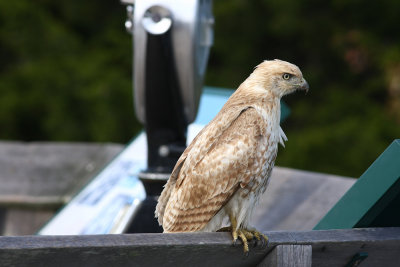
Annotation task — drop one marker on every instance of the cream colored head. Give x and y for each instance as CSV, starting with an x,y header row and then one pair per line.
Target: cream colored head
x,y
279,77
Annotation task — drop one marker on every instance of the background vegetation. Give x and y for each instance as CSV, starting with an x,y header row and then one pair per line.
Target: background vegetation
x,y
65,72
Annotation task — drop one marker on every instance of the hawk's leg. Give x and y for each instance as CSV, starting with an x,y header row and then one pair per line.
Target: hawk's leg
x,y
237,233
258,236
244,235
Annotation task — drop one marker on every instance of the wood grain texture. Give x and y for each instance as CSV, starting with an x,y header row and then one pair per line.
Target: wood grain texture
x,y
19,221
126,250
288,256
38,178
47,174
329,248
297,200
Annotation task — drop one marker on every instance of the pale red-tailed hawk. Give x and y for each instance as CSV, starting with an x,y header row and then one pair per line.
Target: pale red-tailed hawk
x,y
220,176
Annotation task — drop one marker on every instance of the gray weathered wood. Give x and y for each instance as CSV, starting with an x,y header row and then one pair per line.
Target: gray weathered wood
x,y
38,178
20,221
288,256
48,174
202,249
297,200
329,248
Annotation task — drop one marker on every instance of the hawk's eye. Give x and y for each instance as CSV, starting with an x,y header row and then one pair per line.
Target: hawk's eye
x,y
286,76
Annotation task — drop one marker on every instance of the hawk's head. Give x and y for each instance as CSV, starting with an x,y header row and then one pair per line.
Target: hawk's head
x,y
280,77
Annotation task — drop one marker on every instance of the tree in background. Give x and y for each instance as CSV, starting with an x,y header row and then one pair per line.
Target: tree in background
x,y
65,72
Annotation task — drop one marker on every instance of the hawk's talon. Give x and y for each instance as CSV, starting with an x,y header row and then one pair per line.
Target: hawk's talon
x,y
265,241
244,235
257,235
249,234
234,243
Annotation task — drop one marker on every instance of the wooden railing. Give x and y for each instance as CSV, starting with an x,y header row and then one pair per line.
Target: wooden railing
x,y
372,246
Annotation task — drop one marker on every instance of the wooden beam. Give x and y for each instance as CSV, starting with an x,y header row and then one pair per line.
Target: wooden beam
x,y
288,256
297,200
45,175
329,248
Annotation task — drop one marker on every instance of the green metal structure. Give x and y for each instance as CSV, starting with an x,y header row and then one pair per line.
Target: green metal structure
x,y
374,200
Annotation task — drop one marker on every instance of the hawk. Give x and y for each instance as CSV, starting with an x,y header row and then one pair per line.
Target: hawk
x,y
220,176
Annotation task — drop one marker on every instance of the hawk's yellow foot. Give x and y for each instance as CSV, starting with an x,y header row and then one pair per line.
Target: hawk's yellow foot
x,y
244,235
259,237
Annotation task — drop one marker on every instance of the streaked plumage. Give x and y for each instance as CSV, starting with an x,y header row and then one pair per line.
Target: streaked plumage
x,y
226,168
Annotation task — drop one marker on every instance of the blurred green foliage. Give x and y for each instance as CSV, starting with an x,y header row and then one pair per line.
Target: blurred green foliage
x,y
65,72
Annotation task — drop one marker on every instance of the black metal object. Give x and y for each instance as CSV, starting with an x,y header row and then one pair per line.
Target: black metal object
x,y
145,221
165,126
165,121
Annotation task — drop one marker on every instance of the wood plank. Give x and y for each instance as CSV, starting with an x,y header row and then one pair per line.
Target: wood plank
x,y
297,200
25,221
47,174
37,178
199,249
288,256
337,247
329,248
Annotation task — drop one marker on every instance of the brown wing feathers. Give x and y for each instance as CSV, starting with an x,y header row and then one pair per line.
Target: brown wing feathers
x,y
202,183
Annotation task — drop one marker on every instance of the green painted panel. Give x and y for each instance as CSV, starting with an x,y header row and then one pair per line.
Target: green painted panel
x,y
210,95
374,200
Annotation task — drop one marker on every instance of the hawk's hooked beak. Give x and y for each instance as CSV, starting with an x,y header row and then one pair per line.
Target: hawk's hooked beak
x,y
304,86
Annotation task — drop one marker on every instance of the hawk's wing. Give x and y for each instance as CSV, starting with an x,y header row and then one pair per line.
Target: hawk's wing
x,y
210,171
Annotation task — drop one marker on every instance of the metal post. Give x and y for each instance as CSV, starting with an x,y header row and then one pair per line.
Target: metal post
x,y
171,42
